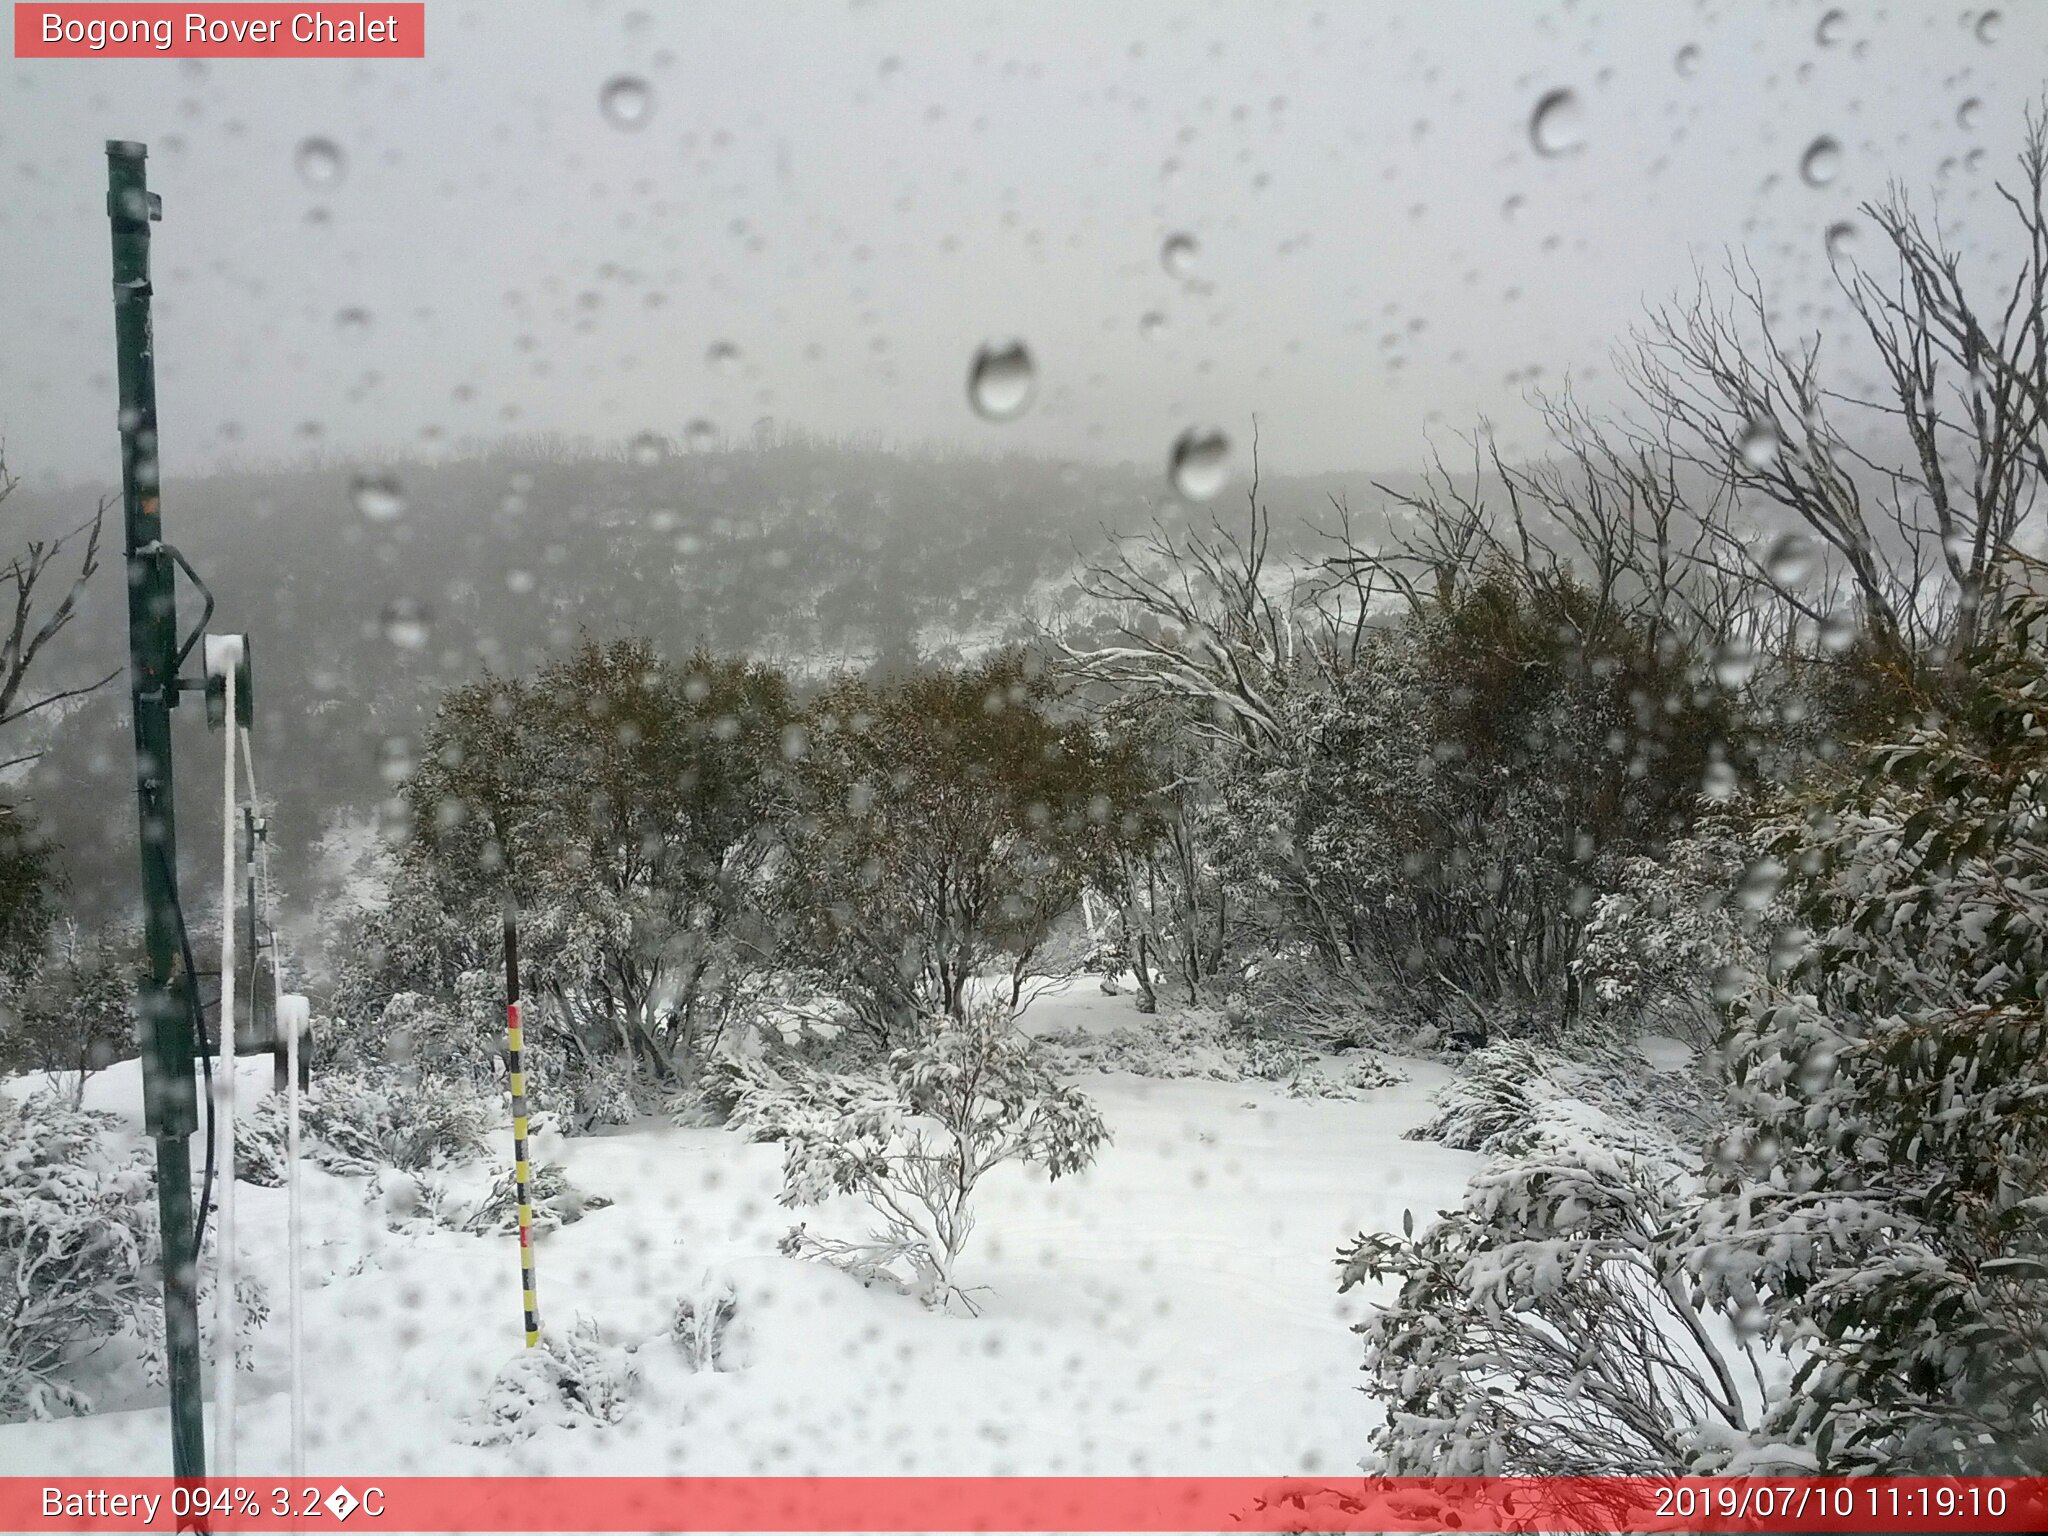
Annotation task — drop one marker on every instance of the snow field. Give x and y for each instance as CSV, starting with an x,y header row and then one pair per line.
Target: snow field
x,y
1171,1310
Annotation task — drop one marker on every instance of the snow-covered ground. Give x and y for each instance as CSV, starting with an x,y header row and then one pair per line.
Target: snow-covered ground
x,y
1172,1310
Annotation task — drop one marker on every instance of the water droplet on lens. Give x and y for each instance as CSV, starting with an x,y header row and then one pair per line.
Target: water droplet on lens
x,y
319,162
1152,325
700,435
1199,463
646,448
1838,633
1729,983
1718,782
1687,61
723,356
1001,380
1177,255
1760,883
1790,561
377,498
1555,127
1841,241
1821,163
406,624
1829,30
1988,26
626,101
1734,662
1759,444
1967,113
353,322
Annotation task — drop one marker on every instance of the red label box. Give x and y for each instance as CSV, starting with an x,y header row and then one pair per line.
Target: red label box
x,y
220,31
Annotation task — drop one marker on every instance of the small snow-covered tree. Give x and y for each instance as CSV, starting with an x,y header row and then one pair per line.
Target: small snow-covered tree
x,y
965,1097
71,1013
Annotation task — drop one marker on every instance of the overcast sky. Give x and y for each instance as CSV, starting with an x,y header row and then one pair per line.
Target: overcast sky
x,y
855,197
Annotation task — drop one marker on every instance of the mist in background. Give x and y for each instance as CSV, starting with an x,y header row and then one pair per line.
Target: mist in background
x,y
611,219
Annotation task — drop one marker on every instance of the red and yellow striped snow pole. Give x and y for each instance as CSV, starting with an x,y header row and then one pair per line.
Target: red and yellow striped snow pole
x,y
522,1175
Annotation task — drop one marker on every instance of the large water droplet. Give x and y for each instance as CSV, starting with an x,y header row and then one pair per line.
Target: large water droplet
x,y
1968,113
1734,662
626,101
1758,444
1718,783
723,356
377,498
1841,241
1199,463
1729,983
320,163
646,448
1790,561
1822,162
1759,884
1555,127
1687,61
353,322
1989,25
1177,254
1001,380
1828,31
406,624
1152,325
1838,632
700,436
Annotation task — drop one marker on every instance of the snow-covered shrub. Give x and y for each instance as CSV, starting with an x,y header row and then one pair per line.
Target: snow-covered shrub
x,y
1348,1077
357,1123
1173,1045
1550,1327
260,1141
967,1096
1675,931
702,1324
557,1202
1884,1202
570,1380
1295,996
1519,1097
78,1236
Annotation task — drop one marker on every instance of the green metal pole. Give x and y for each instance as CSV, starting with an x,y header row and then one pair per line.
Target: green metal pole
x,y
171,1105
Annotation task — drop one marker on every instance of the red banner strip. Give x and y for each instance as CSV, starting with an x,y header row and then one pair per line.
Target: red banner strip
x,y
372,30
1063,1504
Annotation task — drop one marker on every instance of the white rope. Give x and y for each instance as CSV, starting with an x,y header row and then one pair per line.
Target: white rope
x,y
224,1098
287,1021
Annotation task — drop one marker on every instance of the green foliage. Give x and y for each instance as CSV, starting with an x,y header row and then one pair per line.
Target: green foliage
x,y
942,824
624,801
1886,1205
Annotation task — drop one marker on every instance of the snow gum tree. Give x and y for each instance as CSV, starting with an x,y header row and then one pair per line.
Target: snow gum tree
x,y
943,823
622,800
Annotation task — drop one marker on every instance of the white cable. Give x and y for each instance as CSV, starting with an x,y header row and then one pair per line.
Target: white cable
x,y
292,1025
288,1013
224,1087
